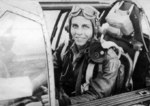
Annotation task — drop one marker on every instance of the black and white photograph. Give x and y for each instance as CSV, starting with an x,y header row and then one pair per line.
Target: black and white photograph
x,y
74,53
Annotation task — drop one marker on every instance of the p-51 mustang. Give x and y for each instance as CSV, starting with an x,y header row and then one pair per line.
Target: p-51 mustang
x,y
31,31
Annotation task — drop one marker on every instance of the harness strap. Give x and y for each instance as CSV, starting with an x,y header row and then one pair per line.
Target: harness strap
x,y
89,74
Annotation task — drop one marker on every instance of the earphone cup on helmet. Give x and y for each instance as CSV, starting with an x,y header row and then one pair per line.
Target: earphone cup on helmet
x,y
67,28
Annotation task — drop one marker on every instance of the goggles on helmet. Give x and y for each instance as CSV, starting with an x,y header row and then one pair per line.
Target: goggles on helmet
x,y
87,11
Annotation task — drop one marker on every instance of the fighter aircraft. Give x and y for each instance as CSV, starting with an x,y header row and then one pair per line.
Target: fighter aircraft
x,y
32,30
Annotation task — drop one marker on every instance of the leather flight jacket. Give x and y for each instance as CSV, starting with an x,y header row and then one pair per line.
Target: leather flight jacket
x,y
70,73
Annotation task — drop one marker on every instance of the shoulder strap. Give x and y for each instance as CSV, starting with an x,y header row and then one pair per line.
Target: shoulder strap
x,y
89,74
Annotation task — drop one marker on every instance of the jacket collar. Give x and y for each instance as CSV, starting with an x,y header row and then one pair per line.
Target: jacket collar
x,y
82,51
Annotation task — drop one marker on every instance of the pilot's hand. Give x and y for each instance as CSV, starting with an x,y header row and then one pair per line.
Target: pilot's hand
x,y
45,100
45,89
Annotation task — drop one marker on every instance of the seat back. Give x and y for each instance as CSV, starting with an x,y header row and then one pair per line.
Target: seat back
x,y
124,79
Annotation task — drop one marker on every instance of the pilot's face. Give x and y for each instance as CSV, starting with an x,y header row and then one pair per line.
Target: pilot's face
x,y
81,30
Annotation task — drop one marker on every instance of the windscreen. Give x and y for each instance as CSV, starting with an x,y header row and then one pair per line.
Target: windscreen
x,y
23,64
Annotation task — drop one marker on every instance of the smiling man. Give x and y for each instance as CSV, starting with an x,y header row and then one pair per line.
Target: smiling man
x,y
81,30
86,71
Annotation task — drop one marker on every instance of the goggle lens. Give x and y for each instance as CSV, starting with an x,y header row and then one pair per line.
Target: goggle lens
x,y
87,11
